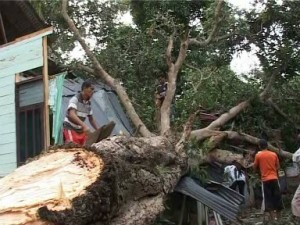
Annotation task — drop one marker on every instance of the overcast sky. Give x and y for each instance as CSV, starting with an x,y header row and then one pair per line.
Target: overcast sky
x,y
244,62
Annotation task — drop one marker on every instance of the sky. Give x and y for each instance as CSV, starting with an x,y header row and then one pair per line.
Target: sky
x,y
242,63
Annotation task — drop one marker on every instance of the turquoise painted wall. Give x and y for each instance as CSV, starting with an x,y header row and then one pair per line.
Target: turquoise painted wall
x,y
8,156
14,58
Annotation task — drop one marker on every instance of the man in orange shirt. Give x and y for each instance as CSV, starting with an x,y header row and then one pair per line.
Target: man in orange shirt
x,y
268,164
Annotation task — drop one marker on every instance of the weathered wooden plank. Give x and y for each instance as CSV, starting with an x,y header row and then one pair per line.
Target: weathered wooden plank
x,y
31,93
7,99
7,108
34,63
27,38
7,81
8,130
7,119
8,127
7,90
10,55
7,148
46,94
22,58
9,157
8,138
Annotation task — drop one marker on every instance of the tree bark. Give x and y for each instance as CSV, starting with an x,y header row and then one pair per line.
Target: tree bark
x,y
233,135
120,180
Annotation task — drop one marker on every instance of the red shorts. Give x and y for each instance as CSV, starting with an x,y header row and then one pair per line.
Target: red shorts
x,y
73,136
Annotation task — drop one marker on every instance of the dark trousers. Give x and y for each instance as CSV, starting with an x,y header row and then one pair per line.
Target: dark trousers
x,y
272,195
240,184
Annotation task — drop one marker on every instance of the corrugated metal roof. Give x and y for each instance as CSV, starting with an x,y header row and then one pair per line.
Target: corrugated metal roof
x,y
233,197
215,172
219,198
73,86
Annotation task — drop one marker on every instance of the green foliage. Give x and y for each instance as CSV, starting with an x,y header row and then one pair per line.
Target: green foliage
x,y
94,19
136,56
182,12
276,32
195,152
215,89
137,60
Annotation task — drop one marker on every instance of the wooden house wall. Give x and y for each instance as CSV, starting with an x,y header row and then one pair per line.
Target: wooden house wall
x,y
15,57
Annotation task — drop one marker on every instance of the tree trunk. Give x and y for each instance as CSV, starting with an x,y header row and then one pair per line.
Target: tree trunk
x,y
120,180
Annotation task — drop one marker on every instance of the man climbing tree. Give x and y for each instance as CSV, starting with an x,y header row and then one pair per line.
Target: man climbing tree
x,y
161,91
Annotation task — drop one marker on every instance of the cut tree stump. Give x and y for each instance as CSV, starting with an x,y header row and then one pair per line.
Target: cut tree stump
x,y
121,180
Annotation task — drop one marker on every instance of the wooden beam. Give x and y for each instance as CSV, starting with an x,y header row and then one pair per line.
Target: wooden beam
x,y
35,35
18,78
39,33
46,94
2,29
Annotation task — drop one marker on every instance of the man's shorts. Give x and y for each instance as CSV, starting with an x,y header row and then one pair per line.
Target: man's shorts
x,y
75,137
271,195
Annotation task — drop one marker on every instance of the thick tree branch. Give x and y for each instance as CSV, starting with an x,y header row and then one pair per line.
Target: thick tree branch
x,y
281,113
233,135
199,81
264,94
212,36
174,68
85,68
233,112
182,53
221,156
172,78
169,51
194,41
105,76
254,140
147,209
186,131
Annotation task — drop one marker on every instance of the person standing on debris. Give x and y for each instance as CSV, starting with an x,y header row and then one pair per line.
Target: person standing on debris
x,y
295,204
235,176
79,108
268,164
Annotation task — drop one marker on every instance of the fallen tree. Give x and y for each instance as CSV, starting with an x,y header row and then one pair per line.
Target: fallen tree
x,y
120,180
116,181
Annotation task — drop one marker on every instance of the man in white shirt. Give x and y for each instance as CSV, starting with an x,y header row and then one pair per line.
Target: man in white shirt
x,y
79,108
235,176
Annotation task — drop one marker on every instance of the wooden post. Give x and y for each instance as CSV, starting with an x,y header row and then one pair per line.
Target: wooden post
x,y
18,78
46,94
182,210
2,29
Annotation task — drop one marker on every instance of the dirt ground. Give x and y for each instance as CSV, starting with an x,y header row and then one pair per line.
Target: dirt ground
x,y
254,216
